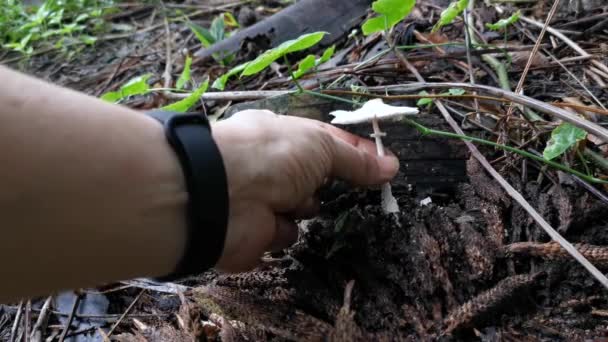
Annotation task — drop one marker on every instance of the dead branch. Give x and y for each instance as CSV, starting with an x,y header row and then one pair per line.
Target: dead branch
x,y
540,106
40,325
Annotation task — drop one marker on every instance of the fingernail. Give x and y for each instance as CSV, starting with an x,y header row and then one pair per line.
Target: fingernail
x,y
389,165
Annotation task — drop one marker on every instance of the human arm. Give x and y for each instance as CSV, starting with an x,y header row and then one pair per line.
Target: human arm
x,y
91,192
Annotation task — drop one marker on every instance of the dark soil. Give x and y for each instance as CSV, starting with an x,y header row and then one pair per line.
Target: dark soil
x,y
432,272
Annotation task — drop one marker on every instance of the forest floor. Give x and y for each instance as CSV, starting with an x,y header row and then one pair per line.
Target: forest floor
x,y
462,260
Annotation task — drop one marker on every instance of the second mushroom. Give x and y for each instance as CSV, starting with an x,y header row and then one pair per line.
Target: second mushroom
x,y
373,111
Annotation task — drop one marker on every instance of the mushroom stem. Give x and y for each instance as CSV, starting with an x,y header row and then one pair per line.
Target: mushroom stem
x,y
377,135
389,203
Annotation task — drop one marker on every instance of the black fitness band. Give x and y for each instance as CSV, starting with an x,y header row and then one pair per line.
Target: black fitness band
x,y
207,210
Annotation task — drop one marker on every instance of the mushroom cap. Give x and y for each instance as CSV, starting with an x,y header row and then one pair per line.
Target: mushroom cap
x,y
373,109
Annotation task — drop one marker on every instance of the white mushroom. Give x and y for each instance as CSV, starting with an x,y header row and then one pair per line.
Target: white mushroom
x,y
374,111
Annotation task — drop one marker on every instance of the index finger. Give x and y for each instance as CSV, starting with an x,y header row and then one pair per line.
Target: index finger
x,y
361,167
355,158
356,141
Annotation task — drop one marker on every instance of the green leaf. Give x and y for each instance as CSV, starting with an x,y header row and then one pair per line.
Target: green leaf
x,y
305,65
390,12
230,20
450,13
185,76
327,54
456,91
264,60
203,35
89,40
81,17
220,83
135,86
503,23
311,61
425,100
563,137
217,28
185,104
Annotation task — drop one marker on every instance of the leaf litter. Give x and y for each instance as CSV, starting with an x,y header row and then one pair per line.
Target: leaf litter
x,y
470,264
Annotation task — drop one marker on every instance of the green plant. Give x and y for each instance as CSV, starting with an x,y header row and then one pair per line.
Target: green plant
x,y
185,75
311,61
135,86
428,101
265,59
390,12
449,14
139,86
216,33
563,137
429,131
503,23
185,104
23,28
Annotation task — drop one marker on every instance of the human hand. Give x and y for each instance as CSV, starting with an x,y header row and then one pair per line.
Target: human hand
x,y
274,165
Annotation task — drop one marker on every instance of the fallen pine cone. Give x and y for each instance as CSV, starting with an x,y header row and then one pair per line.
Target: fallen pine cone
x,y
553,251
489,303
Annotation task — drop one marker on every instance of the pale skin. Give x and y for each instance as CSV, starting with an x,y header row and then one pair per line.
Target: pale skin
x,y
92,193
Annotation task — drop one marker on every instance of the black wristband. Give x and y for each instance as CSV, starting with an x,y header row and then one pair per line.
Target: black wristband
x,y
207,210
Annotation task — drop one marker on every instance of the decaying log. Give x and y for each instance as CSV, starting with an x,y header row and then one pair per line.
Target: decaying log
x,y
427,163
336,17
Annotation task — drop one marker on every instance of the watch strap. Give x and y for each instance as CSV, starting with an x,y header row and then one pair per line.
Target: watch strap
x,y
207,208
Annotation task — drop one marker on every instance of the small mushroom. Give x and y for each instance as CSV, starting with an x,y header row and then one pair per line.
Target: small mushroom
x,y
374,111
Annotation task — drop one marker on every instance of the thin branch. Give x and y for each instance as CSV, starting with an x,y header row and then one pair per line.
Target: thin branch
x,y
71,317
540,106
498,66
124,314
556,33
463,96
563,38
467,39
40,325
522,79
576,79
168,58
428,131
16,322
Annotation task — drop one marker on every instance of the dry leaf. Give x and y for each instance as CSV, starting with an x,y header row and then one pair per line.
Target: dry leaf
x,y
520,58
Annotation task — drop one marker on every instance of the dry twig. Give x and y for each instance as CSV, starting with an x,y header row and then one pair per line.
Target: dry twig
x,y
124,314
68,324
520,84
39,326
168,58
16,322
599,131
